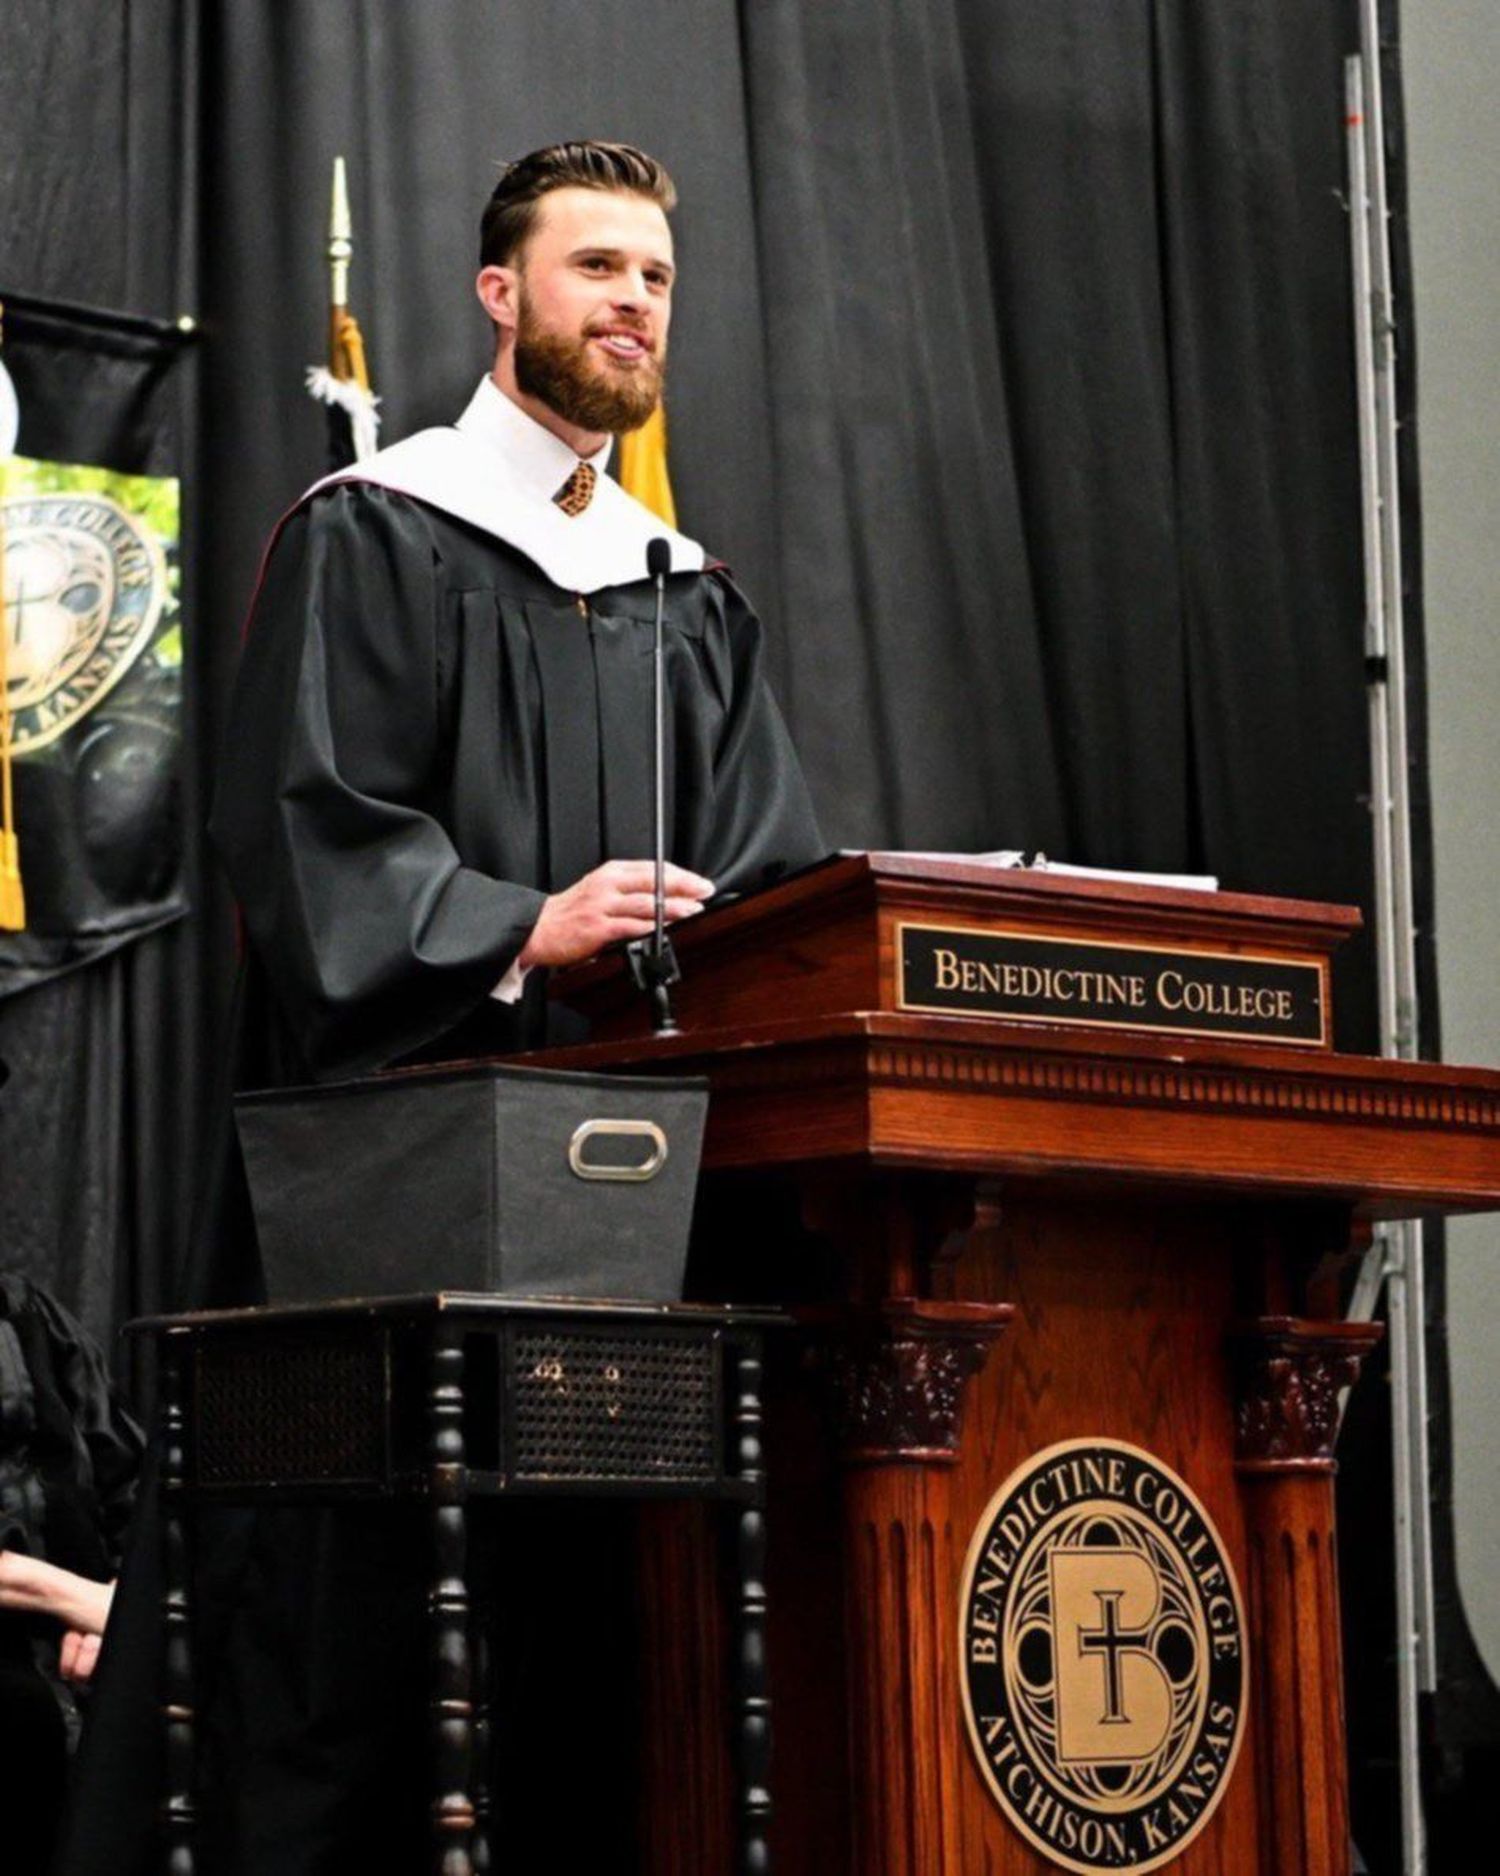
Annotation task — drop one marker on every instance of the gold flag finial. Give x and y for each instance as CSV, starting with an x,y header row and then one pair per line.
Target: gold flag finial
x,y
12,898
346,345
340,239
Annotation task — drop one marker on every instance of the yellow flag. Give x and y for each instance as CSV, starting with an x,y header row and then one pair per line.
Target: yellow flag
x,y
643,467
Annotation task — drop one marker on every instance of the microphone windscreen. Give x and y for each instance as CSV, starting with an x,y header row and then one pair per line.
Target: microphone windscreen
x,y
658,557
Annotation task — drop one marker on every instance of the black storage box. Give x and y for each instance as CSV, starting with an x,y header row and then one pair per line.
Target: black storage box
x,y
521,1181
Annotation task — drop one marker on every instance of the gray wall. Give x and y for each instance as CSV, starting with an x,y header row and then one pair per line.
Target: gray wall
x,y
1451,59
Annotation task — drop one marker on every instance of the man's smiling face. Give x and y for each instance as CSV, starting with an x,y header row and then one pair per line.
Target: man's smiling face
x,y
589,303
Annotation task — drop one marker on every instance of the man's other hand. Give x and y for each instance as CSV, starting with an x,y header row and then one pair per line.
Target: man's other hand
x,y
615,901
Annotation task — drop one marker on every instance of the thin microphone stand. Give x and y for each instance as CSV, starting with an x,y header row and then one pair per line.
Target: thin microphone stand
x,y
653,963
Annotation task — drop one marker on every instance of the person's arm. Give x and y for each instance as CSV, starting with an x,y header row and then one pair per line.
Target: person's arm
x,y
78,1602
375,934
37,1588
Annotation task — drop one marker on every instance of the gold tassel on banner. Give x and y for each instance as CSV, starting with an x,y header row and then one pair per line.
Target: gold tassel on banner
x,y
12,898
643,467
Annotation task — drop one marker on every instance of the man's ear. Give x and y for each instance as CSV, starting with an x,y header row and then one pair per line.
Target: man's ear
x,y
498,288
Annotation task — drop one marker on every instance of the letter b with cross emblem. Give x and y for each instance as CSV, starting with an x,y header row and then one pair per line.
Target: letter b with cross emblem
x,y
1114,1701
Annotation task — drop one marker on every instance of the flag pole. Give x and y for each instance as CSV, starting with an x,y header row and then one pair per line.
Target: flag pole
x,y
346,343
343,384
340,253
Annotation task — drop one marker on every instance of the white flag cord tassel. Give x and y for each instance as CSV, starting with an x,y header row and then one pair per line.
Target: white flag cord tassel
x,y
361,405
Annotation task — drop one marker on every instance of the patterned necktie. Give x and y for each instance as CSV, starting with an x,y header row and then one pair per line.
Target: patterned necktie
x,y
578,491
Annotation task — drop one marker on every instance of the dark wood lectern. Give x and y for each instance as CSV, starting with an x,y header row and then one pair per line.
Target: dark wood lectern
x,y
1090,1223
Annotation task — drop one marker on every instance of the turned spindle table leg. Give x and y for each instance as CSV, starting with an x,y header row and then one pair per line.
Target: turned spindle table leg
x,y
484,1742
178,1813
448,1613
752,1695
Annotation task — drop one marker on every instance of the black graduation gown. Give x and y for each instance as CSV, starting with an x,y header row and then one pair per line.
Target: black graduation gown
x,y
427,735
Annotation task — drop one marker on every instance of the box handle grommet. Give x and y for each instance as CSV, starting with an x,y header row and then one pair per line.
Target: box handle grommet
x,y
588,1130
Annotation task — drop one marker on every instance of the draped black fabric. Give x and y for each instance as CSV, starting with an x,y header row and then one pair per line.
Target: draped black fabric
x,y
1058,324
71,1454
1011,373
99,1122
1012,376
93,386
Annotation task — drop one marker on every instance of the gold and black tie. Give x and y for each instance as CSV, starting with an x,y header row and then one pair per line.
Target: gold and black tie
x,y
578,491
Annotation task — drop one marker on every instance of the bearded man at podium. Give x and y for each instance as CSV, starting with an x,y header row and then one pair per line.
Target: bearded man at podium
x,y
438,769
437,784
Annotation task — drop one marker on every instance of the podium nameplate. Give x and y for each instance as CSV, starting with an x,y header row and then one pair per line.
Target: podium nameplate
x,y
1035,977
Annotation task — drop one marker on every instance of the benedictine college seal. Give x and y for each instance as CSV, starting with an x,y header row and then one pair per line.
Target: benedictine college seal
x,y
1103,1657
84,587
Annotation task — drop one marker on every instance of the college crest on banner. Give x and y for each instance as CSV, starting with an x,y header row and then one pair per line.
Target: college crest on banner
x,y
94,681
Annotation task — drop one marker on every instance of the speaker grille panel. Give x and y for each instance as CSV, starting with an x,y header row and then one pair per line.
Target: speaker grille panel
x,y
613,1407
313,1415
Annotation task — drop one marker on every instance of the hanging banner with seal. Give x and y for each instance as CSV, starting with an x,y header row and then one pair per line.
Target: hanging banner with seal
x,y
94,683
1103,1648
92,652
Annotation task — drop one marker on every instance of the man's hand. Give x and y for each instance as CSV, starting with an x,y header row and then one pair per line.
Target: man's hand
x,y
43,1589
78,1656
614,901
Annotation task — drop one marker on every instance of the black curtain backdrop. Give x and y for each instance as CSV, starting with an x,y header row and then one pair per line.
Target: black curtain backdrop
x,y
1011,372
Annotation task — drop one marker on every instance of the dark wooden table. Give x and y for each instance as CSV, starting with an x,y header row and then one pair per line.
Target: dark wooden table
x,y
445,1398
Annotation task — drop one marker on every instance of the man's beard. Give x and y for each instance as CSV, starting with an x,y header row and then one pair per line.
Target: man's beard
x,y
568,378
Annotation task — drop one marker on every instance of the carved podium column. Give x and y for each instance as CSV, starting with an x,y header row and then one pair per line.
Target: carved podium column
x,y
1291,1374
897,1375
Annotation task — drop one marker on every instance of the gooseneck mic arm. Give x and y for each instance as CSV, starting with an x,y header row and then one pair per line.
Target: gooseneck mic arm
x,y
653,963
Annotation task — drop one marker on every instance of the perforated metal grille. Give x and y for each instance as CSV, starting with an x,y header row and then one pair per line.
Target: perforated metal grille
x,y
613,1407
304,1410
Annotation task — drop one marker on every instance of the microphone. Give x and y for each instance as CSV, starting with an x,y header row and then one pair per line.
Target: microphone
x,y
653,963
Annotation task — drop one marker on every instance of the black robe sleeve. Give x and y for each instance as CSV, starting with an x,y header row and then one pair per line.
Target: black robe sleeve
x,y
70,1454
763,824
376,937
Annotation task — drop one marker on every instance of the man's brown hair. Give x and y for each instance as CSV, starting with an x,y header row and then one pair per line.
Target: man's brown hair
x,y
510,213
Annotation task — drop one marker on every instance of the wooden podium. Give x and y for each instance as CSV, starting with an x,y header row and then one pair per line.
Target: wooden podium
x,y
1078,1234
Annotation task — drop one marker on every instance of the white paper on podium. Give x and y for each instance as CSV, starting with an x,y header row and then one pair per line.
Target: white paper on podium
x,y
1012,859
